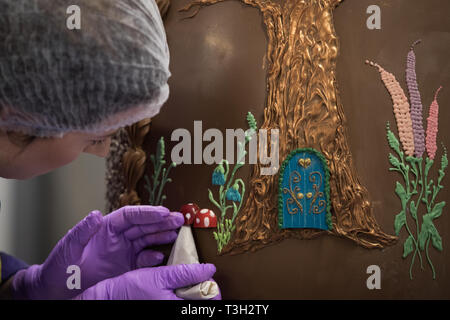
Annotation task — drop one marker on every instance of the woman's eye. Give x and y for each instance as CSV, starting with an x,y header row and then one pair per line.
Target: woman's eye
x,y
97,142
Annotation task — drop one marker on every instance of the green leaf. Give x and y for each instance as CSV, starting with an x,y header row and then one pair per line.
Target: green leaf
x,y
444,160
399,222
215,236
235,209
251,121
441,176
400,190
413,210
428,164
160,150
392,140
413,161
435,237
152,159
437,210
394,160
210,194
423,236
408,246
147,185
227,237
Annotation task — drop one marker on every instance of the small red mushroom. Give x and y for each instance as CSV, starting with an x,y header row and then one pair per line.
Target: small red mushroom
x,y
189,211
205,218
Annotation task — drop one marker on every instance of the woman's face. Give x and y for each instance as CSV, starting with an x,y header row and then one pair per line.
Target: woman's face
x,y
43,155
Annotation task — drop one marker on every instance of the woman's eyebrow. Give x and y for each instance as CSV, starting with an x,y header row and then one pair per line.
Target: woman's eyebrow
x,y
108,135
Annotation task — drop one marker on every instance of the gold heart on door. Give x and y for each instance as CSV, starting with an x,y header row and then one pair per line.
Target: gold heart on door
x,y
304,162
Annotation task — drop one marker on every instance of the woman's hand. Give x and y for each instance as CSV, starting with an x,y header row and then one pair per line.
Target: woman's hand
x,y
150,283
102,248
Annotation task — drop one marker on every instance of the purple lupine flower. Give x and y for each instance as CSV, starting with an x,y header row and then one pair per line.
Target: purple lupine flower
x,y
416,103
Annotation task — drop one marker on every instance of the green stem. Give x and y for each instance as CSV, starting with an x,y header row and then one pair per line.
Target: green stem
x,y
416,207
242,198
148,187
437,188
222,203
213,201
405,174
227,168
408,196
435,192
240,156
225,227
163,182
427,190
428,258
157,171
412,263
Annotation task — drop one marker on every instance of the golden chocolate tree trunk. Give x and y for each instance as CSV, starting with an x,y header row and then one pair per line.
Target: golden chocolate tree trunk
x,y
303,103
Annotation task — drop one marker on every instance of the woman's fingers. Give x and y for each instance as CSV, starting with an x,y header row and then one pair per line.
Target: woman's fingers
x,y
174,221
128,216
154,239
73,244
149,258
183,275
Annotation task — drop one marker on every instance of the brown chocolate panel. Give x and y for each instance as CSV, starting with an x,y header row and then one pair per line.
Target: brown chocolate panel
x,y
219,70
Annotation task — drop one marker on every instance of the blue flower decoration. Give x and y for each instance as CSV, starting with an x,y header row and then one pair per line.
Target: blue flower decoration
x,y
233,194
218,178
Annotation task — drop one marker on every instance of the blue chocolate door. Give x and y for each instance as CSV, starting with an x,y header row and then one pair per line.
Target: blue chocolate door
x,y
304,191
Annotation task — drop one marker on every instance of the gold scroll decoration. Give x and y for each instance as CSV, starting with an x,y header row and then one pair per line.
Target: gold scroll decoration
x,y
303,103
163,6
134,162
114,169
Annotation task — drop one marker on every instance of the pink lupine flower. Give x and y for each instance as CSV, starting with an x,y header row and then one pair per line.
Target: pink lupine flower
x,y
432,127
401,109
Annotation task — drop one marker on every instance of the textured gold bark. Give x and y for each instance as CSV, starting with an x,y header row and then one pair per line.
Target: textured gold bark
x,y
303,103
134,162
163,6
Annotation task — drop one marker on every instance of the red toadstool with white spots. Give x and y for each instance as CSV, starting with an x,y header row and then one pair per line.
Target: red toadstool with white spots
x,y
189,211
205,218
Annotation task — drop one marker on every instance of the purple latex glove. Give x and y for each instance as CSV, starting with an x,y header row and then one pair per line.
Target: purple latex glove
x,y
156,283
102,247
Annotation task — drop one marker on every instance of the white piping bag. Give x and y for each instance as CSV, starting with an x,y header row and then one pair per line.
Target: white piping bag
x,y
185,252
